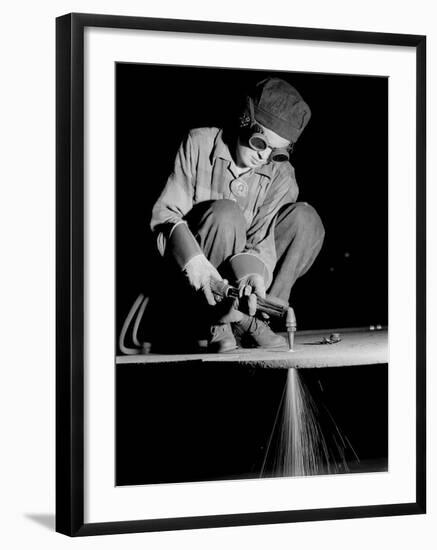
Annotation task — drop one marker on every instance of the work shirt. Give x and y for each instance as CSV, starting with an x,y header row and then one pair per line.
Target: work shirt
x,y
204,170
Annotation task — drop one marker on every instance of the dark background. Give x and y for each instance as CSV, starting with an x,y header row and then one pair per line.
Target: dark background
x,y
341,169
186,423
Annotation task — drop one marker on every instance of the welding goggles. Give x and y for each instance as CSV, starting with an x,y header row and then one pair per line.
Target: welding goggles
x,y
257,141
252,135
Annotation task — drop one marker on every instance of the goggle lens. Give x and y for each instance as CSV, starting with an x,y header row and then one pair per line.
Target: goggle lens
x,y
280,155
258,142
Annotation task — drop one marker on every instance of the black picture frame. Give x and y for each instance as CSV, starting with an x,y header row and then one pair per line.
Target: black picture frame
x,y
70,485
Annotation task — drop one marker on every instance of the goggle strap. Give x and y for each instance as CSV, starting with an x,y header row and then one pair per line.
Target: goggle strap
x,y
251,110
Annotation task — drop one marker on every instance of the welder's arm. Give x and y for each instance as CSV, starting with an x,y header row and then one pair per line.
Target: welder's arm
x,y
176,198
174,237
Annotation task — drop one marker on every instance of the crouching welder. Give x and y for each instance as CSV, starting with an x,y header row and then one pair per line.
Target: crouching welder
x,y
229,211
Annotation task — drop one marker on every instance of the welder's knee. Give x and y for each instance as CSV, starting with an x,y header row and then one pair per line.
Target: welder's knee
x,y
303,217
227,214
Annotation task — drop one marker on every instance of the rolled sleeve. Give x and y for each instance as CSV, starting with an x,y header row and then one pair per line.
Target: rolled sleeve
x,y
176,198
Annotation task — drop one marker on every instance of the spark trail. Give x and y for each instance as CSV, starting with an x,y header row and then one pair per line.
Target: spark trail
x,y
298,445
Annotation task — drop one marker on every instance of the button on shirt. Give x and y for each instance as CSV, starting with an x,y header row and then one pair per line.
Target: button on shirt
x,y
204,170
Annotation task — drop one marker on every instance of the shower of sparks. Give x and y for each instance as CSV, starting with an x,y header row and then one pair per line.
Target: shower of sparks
x,y
298,446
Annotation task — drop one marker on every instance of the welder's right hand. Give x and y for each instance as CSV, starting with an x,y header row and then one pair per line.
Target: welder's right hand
x,y
199,272
250,287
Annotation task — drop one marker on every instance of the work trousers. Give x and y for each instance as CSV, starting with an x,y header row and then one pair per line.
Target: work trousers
x,y
176,315
220,228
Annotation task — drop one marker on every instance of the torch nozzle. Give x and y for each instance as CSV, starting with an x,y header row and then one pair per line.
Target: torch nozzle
x,y
290,323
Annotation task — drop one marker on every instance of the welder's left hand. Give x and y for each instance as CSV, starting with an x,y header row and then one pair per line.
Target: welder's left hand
x,y
251,286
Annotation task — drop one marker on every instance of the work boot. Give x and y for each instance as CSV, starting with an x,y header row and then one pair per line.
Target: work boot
x,y
221,339
255,333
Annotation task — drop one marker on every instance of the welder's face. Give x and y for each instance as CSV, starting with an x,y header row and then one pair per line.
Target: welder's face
x,y
248,157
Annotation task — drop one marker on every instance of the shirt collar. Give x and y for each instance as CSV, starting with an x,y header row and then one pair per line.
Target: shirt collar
x,y
221,150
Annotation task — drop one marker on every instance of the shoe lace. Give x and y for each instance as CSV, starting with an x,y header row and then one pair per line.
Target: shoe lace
x,y
257,327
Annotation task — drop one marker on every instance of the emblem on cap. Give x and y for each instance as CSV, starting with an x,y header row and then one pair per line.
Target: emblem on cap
x,y
239,188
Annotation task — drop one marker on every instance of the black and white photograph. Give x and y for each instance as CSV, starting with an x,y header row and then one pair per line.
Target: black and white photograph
x,y
218,257
251,248
240,274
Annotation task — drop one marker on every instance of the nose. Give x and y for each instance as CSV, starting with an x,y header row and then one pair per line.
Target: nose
x,y
264,155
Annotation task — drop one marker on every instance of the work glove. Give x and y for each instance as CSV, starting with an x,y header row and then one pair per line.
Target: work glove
x,y
199,272
251,286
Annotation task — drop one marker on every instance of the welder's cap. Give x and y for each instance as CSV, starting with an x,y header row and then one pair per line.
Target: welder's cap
x,y
280,107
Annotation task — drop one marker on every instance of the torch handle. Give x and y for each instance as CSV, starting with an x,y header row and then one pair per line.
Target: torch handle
x,y
270,305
